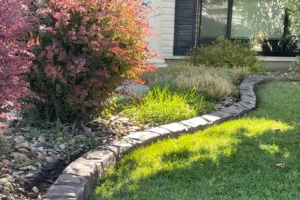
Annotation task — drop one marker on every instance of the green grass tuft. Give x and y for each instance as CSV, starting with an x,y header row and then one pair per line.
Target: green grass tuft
x,y
160,106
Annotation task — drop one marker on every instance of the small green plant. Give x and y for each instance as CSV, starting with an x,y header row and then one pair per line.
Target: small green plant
x,y
2,146
225,53
295,65
160,106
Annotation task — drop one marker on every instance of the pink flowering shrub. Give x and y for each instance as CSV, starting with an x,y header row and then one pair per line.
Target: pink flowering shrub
x,y
84,50
14,58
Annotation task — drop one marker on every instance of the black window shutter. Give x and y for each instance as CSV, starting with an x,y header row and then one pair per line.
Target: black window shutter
x,y
185,20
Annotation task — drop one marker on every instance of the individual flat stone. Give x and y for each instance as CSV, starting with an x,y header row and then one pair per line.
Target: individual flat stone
x,y
247,104
124,145
101,157
222,116
247,93
65,192
246,86
236,109
176,129
65,179
145,137
211,118
160,131
249,99
197,123
71,179
83,167
58,198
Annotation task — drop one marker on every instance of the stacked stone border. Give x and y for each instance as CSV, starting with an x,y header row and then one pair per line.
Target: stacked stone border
x,y
78,180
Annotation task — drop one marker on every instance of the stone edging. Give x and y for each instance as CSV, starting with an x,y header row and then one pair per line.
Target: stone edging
x,y
78,180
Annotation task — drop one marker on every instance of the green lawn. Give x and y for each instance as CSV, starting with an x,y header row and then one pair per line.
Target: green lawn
x,y
236,160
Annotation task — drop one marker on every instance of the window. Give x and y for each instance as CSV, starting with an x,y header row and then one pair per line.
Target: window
x,y
261,22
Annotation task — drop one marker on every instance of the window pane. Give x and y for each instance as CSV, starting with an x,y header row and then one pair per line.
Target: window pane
x,y
261,22
214,18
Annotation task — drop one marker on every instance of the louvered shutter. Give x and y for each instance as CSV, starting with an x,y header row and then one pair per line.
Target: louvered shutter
x,y
185,20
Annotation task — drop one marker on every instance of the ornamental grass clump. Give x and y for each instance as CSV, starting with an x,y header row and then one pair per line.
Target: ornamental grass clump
x,y
212,87
84,51
160,106
238,74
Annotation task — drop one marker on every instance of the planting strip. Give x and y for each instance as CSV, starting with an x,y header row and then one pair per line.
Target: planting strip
x,y
78,179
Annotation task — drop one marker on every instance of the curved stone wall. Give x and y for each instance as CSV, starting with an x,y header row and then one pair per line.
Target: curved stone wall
x,y
78,180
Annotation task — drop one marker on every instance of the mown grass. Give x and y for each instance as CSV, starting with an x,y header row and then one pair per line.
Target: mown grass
x,y
236,160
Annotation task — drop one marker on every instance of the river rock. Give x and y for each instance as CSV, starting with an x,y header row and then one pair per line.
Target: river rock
x,y
19,156
41,138
25,145
3,181
45,145
19,139
49,159
7,131
23,150
11,179
62,146
6,191
5,162
29,175
40,156
35,190
9,185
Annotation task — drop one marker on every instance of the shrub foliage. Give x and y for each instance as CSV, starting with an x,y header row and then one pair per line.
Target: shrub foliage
x,y
225,53
15,22
84,50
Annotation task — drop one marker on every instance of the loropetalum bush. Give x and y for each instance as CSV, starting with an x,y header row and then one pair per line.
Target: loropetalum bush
x,y
15,22
85,50
225,53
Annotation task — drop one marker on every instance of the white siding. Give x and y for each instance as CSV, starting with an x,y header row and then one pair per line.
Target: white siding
x,y
167,28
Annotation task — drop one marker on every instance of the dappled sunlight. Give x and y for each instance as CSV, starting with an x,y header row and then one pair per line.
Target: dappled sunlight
x,y
272,149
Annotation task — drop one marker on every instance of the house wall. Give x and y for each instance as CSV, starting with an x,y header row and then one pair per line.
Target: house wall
x,y
167,28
